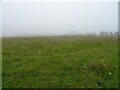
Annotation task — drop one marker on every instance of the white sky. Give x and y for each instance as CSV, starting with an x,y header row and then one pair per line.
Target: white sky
x,y
58,18
0,19
59,0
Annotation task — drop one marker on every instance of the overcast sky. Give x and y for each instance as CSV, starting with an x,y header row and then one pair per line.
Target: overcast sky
x,y
24,18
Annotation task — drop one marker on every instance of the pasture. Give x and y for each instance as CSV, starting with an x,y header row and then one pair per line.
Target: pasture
x,y
60,62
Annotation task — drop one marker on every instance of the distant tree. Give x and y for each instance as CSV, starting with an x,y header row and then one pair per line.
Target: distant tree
x,y
116,33
104,33
72,33
111,33
92,34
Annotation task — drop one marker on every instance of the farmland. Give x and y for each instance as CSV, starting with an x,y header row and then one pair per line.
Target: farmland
x,y
60,62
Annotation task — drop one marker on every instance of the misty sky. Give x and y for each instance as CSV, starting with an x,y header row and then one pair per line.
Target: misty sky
x,y
0,15
58,18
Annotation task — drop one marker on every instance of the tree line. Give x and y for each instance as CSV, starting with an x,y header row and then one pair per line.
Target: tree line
x,y
104,33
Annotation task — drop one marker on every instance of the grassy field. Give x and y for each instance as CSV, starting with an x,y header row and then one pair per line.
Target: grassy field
x,y
62,62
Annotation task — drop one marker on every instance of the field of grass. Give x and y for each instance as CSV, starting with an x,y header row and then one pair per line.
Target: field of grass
x,y
60,62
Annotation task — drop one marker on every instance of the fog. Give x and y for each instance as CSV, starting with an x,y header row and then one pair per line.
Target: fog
x,y
24,18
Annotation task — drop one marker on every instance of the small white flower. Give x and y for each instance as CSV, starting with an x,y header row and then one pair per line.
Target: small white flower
x,y
110,73
85,66
102,80
69,84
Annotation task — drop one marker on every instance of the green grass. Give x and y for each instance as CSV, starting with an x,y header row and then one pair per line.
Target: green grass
x,y
61,61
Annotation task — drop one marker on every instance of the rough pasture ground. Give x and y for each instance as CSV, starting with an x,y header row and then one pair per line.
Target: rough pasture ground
x,y
63,61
